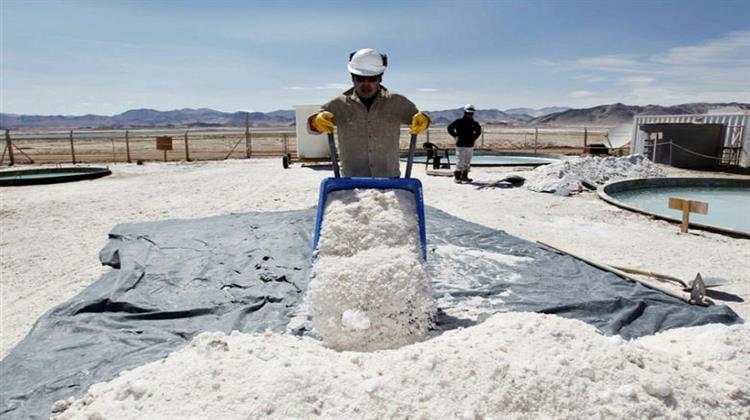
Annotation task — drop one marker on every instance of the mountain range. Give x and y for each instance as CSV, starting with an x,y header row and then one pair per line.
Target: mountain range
x,y
605,115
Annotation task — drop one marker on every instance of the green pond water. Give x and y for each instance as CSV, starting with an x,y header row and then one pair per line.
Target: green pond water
x,y
727,207
43,175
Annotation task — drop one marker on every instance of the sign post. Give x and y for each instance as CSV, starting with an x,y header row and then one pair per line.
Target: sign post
x,y
164,143
687,207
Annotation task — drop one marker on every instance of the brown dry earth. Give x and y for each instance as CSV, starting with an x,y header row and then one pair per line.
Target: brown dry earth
x,y
201,146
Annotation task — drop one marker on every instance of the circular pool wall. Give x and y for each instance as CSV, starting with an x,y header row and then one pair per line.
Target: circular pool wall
x,y
728,200
50,175
484,158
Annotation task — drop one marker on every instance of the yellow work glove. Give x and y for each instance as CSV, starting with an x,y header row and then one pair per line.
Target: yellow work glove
x,y
323,122
419,123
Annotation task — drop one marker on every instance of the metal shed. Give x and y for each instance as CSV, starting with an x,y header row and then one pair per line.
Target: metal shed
x,y
696,141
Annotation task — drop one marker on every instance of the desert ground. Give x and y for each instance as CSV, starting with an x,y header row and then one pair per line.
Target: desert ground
x,y
112,146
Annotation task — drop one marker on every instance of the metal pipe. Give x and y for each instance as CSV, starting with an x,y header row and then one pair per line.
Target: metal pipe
x,y
410,160
334,155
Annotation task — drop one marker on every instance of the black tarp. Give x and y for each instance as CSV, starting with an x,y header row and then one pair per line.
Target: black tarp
x,y
174,279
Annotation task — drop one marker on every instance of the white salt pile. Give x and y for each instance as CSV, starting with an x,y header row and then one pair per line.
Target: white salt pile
x,y
369,288
514,365
568,176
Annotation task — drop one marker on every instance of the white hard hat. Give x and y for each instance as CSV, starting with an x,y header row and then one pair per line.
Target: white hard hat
x,y
469,108
367,62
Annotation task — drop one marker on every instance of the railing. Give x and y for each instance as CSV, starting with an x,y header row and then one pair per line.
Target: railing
x,y
89,146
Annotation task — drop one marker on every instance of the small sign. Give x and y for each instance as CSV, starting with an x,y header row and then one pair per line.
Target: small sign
x,y
164,143
687,207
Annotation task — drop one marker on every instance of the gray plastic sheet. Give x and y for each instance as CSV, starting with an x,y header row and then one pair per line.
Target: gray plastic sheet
x,y
248,272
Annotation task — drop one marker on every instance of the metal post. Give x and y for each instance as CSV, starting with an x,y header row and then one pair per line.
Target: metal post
x,y
482,141
536,137
127,145
248,140
286,143
670,153
114,157
9,145
72,149
187,149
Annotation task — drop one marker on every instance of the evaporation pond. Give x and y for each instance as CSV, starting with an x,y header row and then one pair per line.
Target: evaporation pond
x,y
727,207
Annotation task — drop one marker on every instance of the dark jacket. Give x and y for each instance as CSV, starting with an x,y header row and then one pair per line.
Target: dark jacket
x,y
467,130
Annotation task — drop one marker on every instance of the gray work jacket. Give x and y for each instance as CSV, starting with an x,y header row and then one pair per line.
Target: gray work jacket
x,y
368,140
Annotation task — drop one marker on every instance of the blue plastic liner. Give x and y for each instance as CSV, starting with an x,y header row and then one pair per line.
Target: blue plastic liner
x,y
412,185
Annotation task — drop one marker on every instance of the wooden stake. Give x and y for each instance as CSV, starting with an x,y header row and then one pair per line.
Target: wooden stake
x,y
127,145
9,146
248,139
536,137
585,139
687,207
72,149
187,150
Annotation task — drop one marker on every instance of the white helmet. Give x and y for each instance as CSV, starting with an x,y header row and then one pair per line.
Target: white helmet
x,y
469,108
367,62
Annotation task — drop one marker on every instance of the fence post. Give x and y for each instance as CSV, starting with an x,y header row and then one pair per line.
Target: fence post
x,y
127,146
187,150
114,157
9,146
286,143
536,137
482,141
248,140
585,139
72,149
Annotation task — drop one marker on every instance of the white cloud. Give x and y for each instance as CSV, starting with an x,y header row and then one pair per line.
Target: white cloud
x,y
733,48
607,63
590,78
327,86
636,80
716,70
336,86
613,62
581,94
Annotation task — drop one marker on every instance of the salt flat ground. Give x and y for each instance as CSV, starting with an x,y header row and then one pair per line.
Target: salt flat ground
x,y
514,365
52,234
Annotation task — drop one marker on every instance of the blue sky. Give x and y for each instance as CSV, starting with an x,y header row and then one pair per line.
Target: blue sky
x,y
105,57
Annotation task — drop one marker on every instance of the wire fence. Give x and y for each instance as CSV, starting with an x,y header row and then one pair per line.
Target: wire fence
x,y
100,146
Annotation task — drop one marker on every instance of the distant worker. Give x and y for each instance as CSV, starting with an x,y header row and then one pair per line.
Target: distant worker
x,y
465,131
369,119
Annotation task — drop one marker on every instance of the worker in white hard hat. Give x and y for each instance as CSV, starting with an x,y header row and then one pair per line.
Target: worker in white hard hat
x,y
369,118
465,131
